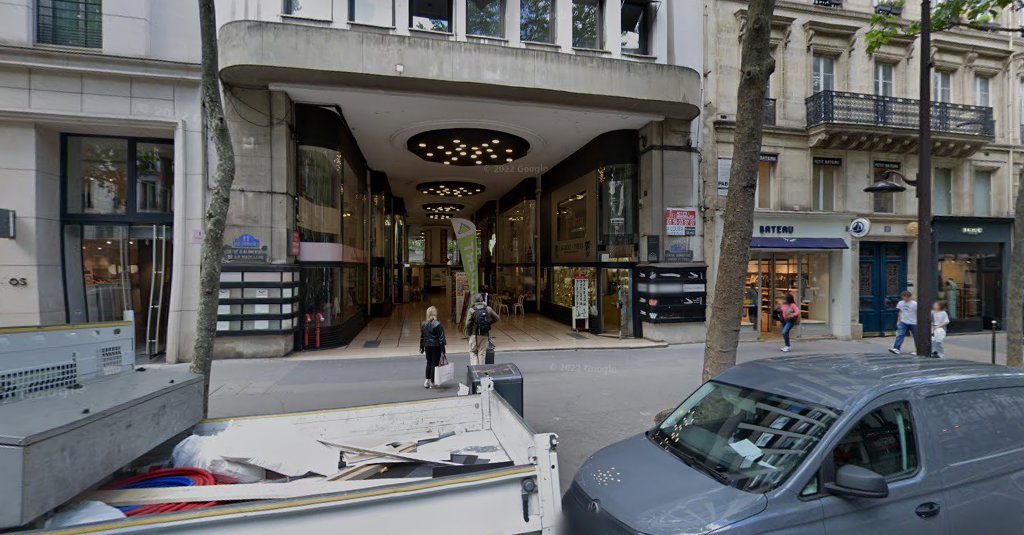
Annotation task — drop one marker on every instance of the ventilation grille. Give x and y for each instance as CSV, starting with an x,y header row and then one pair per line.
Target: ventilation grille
x,y
110,359
35,382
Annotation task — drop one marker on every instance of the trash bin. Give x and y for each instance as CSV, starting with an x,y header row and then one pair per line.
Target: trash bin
x,y
508,382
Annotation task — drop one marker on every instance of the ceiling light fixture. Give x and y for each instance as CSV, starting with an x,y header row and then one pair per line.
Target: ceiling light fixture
x,y
450,188
470,144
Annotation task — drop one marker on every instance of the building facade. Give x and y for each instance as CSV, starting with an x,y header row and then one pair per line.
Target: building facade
x,y
838,118
563,128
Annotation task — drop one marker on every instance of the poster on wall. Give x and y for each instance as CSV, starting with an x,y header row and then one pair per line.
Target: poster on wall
x,y
724,168
681,221
465,239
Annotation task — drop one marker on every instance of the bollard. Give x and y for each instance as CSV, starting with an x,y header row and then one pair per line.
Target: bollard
x,y
993,341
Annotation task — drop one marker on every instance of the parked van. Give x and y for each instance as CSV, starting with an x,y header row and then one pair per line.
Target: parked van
x,y
850,444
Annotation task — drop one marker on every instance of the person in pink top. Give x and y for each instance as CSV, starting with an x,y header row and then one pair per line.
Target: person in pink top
x,y
790,314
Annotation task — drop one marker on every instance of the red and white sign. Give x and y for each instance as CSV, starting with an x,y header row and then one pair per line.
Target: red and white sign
x,y
296,240
680,221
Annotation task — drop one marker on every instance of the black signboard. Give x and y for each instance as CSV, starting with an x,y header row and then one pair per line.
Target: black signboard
x,y
672,295
828,161
894,166
6,224
653,246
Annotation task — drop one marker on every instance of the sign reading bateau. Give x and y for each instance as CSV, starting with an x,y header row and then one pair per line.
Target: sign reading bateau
x,y
465,237
581,302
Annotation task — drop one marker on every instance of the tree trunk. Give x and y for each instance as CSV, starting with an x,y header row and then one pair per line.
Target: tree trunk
x,y
220,199
1015,286
756,65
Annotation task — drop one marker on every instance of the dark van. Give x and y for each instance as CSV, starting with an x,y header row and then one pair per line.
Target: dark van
x,y
851,444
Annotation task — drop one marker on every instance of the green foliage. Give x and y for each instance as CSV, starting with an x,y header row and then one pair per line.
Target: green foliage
x,y
946,14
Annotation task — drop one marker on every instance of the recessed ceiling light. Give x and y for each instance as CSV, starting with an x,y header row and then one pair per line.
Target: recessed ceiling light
x,y
490,150
495,141
448,152
456,158
430,154
508,151
475,148
446,163
508,159
423,145
456,141
494,156
478,162
462,154
440,147
483,144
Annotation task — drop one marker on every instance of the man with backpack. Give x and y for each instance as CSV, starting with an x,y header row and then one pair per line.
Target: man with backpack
x,y
479,319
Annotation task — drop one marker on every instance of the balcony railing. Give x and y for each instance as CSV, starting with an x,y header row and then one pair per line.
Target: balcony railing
x,y
829,3
836,107
769,112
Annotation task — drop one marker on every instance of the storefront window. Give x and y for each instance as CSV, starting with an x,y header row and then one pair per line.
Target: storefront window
x,y
970,279
321,294
97,175
518,234
154,167
320,192
618,217
565,287
516,281
771,276
572,217
353,217
353,298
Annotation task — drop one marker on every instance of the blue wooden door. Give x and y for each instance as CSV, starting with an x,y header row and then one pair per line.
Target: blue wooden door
x,y
883,276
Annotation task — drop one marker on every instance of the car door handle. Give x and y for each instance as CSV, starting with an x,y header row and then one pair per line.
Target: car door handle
x,y
927,509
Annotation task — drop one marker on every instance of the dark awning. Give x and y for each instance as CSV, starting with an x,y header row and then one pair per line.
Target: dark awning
x,y
798,243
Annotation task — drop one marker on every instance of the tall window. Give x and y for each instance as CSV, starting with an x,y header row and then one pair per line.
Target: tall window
x,y
942,197
535,18
485,17
823,74
70,23
764,184
884,79
376,12
100,181
942,87
983,91
982,193
586,24
824,184
636,27
310,9
433,15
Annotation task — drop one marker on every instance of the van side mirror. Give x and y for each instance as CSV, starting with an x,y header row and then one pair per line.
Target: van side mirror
x,y
858,482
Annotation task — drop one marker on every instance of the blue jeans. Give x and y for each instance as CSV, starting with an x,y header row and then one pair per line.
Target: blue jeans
x,y
787,325
901,332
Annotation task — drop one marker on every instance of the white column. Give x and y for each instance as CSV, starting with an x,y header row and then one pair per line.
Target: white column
x,y
459,20
513,15
613,28
563,24
401,15
180,241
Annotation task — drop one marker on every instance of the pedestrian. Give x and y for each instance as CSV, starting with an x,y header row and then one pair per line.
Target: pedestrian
x,y
940,319
907,322
789,313
479,319
432,343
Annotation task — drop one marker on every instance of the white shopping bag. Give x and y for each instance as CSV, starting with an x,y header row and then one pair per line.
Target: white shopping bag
x,y
444,372
939,335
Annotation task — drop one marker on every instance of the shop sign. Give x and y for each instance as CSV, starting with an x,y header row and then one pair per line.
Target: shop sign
x,y
724,168
972,231
681,221
581,301
828,161
246,248
765,157
889,166
777,229
860,227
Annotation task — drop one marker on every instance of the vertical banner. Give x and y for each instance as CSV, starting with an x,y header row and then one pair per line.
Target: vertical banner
x,y
465,237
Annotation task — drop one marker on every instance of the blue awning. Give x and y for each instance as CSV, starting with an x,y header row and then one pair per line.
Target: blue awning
x,y
798,243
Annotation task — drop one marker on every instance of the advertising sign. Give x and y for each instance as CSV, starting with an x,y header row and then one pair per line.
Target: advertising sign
x,y
465,238
581,301
681,221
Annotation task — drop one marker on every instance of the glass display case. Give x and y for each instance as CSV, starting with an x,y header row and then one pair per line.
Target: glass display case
x,y
565,287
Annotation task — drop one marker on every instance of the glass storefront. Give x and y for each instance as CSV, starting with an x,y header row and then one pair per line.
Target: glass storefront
x,y
617,301
564,286
517,271
970,281
770,276
618,212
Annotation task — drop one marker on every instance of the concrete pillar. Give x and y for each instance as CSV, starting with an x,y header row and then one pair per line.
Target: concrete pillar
x,y
459,20
563,25
401,17
668,179
613,28
513,18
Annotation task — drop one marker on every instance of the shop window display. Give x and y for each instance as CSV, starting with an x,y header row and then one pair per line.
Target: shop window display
x,y
969,282
771,276
617,185
565,287
516,281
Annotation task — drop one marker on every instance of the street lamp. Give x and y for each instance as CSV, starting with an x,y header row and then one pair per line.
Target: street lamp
x,y
923,186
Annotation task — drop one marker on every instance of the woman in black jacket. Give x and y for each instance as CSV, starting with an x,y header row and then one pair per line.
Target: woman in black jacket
x,y
432,342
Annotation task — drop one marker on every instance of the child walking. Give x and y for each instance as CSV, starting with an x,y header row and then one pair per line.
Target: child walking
x,y
940,319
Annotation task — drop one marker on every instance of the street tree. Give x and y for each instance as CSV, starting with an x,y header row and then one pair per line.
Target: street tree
x,y
220,198
756,66
980,15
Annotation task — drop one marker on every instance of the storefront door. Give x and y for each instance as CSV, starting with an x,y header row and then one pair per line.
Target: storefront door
x,y
110,269
971,283
617,302
773,275
883,277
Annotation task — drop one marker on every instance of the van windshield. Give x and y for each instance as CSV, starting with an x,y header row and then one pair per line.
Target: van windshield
x,y
744,438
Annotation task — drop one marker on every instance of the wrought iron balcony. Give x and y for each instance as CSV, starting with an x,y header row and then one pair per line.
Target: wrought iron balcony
x,y
829,3
869,122
769,112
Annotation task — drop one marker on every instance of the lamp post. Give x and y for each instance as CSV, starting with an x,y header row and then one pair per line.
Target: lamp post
x,y
923,188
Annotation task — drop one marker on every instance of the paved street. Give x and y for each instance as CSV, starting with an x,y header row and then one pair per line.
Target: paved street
x,y
590,398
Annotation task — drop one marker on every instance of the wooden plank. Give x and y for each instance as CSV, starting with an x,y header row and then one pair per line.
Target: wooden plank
x,y
385,453
367,470
240,492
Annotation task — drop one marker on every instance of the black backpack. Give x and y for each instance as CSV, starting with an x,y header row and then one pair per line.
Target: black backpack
x,y
481,321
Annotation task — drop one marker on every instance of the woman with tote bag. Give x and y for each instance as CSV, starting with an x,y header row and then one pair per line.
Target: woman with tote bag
x,y
432,344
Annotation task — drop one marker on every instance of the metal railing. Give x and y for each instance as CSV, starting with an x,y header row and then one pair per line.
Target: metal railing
x,y
829,3
70,23
769,112
837,107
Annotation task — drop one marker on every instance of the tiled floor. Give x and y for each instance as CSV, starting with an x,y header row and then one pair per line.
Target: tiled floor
x,y
399,335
